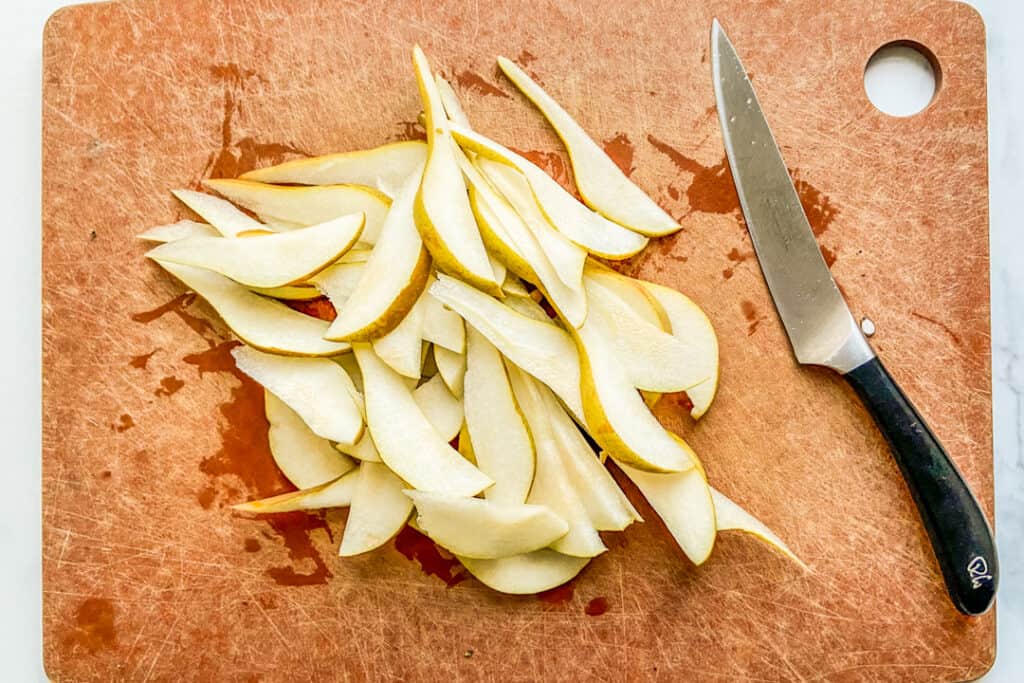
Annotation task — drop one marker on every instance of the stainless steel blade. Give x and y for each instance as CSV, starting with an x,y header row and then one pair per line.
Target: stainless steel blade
x,y
819,324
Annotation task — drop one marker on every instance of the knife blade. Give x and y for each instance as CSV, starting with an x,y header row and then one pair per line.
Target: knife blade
x,y
822,331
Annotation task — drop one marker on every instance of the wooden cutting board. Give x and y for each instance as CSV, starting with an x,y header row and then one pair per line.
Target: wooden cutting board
x,y
149,432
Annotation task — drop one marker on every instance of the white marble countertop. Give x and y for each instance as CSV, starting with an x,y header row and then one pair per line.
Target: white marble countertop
x,y
21,23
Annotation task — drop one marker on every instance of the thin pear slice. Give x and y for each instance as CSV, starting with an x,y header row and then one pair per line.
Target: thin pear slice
x,y
362,450
393,279
306,459
443,326
260,322
384,168
452,107
602,184
304,206
501,441
631,292
338,282
484,529
440,406
566,256
683,501
267,260
615,414
402,347
406,440
551,485
526,574
529,307
465,448
332,494
378,511
590,230
443,215
731,517
451,366
607,506
178,231
690,325
315,388
514,286
289,292
542,349
221,214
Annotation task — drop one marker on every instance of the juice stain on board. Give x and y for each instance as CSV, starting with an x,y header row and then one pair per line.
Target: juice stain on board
x,y
93,628
431,558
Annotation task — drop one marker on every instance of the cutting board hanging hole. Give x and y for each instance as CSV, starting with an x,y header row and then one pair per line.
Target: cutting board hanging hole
x,y
902,78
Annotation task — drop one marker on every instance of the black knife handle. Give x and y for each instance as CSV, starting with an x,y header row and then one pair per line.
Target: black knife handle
x,y
960,535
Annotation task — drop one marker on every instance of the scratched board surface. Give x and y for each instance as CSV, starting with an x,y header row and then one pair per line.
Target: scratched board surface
x,y
150,432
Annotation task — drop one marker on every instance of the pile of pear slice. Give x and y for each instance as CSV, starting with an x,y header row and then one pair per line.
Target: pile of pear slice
x,y
478,351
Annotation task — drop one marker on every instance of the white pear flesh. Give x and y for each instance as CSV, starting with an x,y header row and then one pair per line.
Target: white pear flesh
x,y
602,184
338,282
402,347
484,529
224,216
384,168
272,260
443,326
305,206
406,440
443,215
501,442
305,458
542,349
731,517
379,510
451,366
452,107
393,279
259,322
173,232
526,574
440,406
631,292
333,494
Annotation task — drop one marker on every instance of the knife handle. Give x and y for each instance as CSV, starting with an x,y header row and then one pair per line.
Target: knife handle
x,y
960,535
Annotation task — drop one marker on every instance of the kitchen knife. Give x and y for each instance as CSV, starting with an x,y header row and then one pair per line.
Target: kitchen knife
x,y
823,332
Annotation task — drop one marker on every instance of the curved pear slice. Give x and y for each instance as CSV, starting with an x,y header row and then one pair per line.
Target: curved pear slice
x,y
267,260
483,529
406,440
526,574
514,286
442,210
551,485
173,232
566,256
221,214
305,206
338,282
616,415
289,292
315,388
260,322
333,494
451,366
379,510
443,326
690,325
402,347
384,168
501,441
362,450
683,501
602,184
631,292
452,107
590,230
306,459
731,517
542,349
441,408
393,279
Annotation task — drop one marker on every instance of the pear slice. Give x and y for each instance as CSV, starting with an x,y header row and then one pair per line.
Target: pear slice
x,y
528,306
484,529
631,292
299,292
332,494
501,443
173,232
315,388
362,450
590,230
731,517
402,347
615,414
451,366
393,279
406,440
566,257
683,501
542,349
260,322
441,408
514,286
465,448
602,184
338,282
384,168
452,107
378,511
526,574
690,324
221,214
443,326
551,485
271,260
306,459
443,215
304,206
